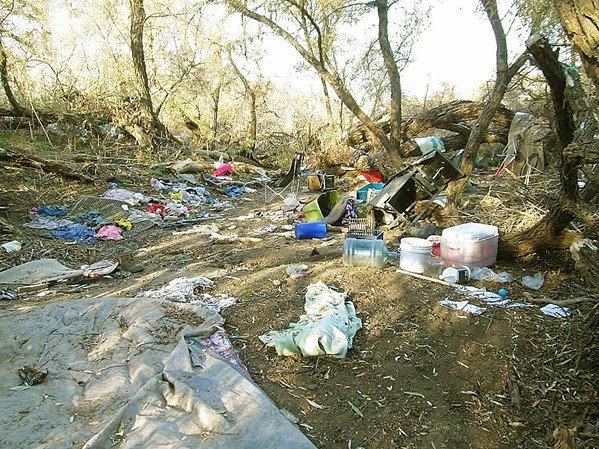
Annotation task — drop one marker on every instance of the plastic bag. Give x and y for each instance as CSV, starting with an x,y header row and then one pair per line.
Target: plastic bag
x,y
486,274
534,282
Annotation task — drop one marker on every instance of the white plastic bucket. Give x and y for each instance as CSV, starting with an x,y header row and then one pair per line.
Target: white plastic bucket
x,y
414,253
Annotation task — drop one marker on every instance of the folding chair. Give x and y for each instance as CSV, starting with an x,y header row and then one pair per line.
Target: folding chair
x,y
289,183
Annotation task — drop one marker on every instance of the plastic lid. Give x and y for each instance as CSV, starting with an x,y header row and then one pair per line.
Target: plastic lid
x,y
470,232
416,243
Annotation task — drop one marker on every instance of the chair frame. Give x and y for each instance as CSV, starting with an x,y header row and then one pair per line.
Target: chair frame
x,y
289,183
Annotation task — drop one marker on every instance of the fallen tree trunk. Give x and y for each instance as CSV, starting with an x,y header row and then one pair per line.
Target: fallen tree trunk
x,y
454,117
581,153
50,117
43,164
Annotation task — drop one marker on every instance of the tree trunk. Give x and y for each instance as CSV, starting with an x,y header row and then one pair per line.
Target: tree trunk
x,y
251,93
327,104
138,19
215,109
548,232
502,80
580,19
5,81
392,72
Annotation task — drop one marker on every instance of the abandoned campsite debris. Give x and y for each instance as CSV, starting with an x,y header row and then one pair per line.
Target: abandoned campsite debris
x,y
311,230
30,376
7,295
534,282
366,253
12,247
327,328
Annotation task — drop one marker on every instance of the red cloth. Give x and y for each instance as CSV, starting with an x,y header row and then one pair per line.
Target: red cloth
x,y
223,170
372,176
156,209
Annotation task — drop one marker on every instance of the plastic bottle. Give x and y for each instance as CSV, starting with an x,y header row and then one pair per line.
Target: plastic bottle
x,y
365,253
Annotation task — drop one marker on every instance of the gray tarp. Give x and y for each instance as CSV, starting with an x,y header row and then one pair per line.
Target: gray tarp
x,y
126,364
36,271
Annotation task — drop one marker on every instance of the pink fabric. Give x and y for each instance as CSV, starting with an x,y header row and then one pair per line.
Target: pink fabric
x,y
223,170
109,232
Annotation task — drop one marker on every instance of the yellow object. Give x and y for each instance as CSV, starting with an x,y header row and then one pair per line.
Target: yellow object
x,y
125,224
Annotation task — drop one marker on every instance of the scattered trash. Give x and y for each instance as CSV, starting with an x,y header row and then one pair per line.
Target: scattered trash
x,y
223,170
109,232
30,376
220,343
366,253
534,282
199,229
502,292
555,311
291,201
93,218
12,247
129,197
127,263
436,241
312,230
231,238
7,295
327,328
464,306
44,222
453,275
235,191
156,209
100,268
486,274
296,271
78,233
38,271
188,177
215,302
180,289
490,298
54,211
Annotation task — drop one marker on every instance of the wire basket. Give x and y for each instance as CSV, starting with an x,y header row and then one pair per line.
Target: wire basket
x,y
359,228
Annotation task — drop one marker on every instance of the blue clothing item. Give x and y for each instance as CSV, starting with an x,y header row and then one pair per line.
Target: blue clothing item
x,y
92,218
56,211
234,191
78,233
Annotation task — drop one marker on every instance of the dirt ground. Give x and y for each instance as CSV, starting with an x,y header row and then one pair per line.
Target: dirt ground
x,y
419,375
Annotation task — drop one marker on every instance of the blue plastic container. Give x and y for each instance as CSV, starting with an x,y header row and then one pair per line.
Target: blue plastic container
x,y
312,230
362,193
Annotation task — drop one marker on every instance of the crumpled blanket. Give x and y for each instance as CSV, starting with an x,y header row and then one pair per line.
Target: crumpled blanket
x,y
327,328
